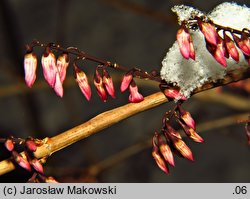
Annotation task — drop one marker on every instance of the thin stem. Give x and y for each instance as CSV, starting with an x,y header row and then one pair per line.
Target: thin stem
x,y
82,55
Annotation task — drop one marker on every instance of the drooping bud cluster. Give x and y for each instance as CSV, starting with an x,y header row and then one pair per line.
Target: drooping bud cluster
x,y
169,140
221,47
27,160
128,82
55,69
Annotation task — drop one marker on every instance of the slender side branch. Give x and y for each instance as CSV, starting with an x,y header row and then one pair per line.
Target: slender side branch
x,y
111,117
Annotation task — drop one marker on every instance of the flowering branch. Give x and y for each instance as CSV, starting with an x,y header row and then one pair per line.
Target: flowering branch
x,y
108,118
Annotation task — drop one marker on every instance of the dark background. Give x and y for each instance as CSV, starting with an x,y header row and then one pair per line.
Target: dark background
x,y
132,33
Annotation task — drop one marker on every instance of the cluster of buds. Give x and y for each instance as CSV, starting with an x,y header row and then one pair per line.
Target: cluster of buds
x,y
27,160
170,141
55,69
128,82
220,47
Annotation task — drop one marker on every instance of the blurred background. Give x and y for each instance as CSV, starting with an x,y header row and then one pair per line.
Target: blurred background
x,y
132,33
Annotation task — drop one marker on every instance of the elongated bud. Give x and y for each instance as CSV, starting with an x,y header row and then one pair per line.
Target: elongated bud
x,y
173,94
21,161
58,87
183,149
108,83
183,38
158,158
49,67
209,32
191,133
186,117
82,80
242,43
62,64
220,53
171,133
9,144
231,48
30,66
30,144
165,151
99,86
127,78
134,96
37,165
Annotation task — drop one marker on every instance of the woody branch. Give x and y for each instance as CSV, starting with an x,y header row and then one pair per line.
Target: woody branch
x,y
111,117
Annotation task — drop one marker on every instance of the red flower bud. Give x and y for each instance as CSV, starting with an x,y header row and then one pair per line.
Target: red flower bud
x,y
185,43
62,64
82,80
134,96
108,83
37,165
231,48
9,144
174,94
186,117
242,43
49,67
171,133
30,66
99,86
30,144
165,150
21,161
158,158
183,149
127,78
209,32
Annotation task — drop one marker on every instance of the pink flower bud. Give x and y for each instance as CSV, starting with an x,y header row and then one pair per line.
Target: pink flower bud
x,y
82,80
209,32
231,48
9,144
62,64
195,136
165,150
99,86
30,144
158,158
134,96
186,117
21,161
191,132
220,53
49,67
174,94
30,66
184,149
37,165
58,88
183,38
185,43
127,78
171,133
242,43
108,83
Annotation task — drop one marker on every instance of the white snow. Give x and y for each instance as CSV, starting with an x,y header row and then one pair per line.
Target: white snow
x,y
190,74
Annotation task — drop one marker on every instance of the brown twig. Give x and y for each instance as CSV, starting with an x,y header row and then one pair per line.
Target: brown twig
x,y
112,117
